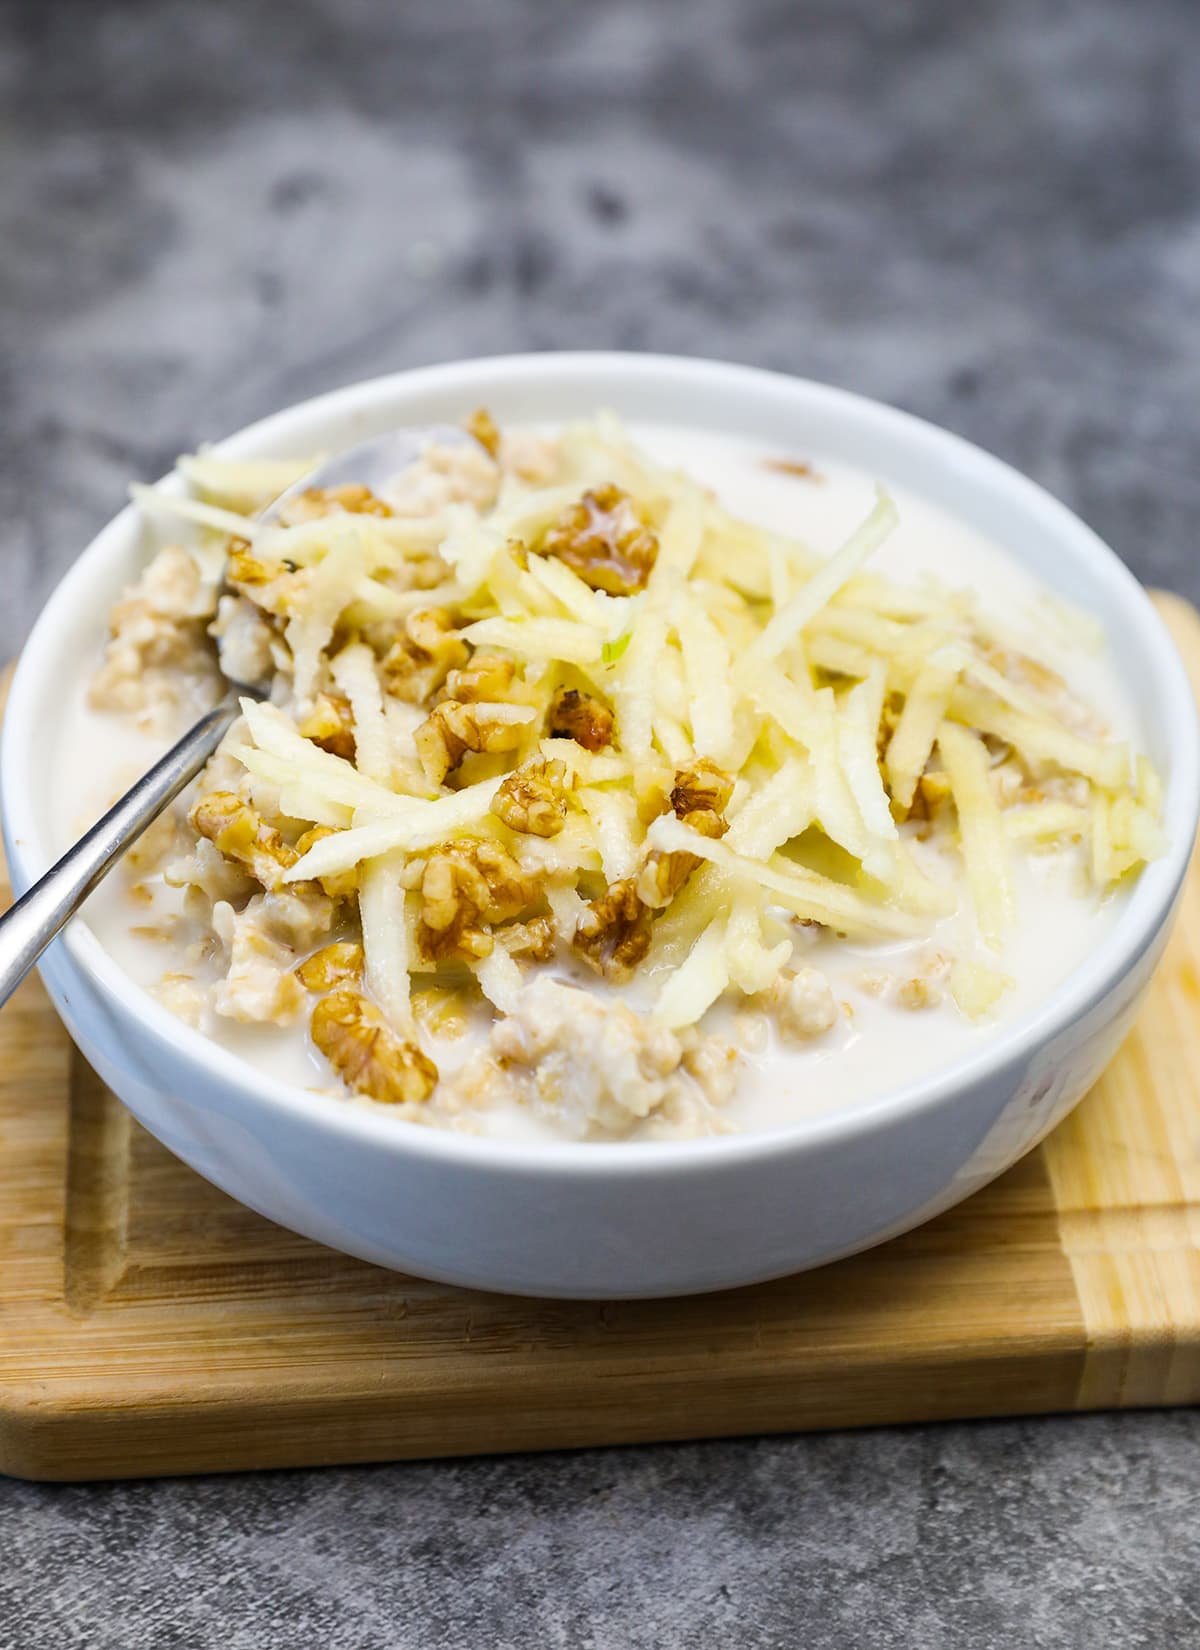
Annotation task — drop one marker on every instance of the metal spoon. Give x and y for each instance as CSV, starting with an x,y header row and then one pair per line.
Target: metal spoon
x,y
29,926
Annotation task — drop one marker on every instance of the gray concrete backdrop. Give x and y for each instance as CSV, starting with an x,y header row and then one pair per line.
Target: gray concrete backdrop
x,y
989,214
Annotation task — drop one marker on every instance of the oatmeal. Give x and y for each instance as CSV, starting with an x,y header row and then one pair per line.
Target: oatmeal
x,y
588,806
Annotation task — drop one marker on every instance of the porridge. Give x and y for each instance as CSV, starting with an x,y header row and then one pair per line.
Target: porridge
x,y
605,789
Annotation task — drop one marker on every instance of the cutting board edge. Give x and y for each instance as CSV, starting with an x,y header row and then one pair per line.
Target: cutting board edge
x,y
47,1442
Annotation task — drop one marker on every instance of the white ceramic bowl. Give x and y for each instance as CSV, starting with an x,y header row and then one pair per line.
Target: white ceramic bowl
x,y
631,1219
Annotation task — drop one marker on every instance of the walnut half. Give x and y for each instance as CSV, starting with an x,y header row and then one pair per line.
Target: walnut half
x,y
334,965
533,799
701,795
465,888
452,729
367,1054
578,716
330,724
613,935
604,540
416,665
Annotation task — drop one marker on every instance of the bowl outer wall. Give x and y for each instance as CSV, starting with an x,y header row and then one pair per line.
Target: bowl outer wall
x,y
610,1234
624,1219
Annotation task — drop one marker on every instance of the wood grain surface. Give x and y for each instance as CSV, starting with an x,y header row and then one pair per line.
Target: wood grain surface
x,y
149,1324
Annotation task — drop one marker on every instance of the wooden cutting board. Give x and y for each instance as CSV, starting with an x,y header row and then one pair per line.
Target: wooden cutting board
x,y
148,1324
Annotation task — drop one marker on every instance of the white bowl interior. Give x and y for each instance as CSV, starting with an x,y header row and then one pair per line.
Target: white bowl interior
x,y
1039,533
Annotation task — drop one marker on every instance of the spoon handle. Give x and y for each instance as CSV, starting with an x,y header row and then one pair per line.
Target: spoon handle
x,y
29,926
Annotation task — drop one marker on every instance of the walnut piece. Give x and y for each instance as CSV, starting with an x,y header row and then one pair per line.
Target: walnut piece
x,y
604,540
701,795
699,798
337,884
485,676
661,876
613,935
578,716
482,426
534,940
274,586
245,570
533,799
330,724
452,728
239,831
416,665
367,1054
465,888
333,965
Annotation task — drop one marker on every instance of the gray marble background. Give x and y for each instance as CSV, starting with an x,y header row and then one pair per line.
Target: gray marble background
x,y
989,214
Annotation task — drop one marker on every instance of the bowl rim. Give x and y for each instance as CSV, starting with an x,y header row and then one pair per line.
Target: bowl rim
x,y
1148,907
